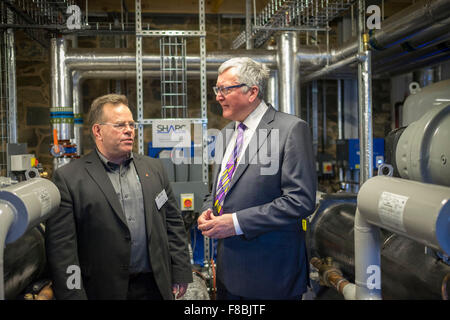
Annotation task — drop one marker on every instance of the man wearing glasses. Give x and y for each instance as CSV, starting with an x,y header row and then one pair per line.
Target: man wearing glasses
x,y
118,233
257,213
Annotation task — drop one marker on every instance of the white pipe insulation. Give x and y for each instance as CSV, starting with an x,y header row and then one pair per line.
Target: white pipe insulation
x,y
22,207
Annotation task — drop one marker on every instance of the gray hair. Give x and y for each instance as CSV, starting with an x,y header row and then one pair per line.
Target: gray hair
x,y
248,71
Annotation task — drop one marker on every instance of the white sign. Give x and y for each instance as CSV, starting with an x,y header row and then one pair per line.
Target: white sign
x,y
390,208
171,133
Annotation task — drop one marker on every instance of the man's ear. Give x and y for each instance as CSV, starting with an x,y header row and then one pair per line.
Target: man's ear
x,y
254,93
96,132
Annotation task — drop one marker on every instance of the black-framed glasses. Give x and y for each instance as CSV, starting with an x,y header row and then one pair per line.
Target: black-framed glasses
x,y
122,126
226,90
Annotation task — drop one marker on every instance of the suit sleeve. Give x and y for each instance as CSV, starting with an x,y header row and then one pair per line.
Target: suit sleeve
x,y
61,247
177,237
298,188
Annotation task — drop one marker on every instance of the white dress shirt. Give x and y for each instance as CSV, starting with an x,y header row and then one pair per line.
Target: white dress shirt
x,y
251,122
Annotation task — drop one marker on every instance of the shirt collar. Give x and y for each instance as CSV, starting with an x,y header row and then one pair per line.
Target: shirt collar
x,y
253,119
112,165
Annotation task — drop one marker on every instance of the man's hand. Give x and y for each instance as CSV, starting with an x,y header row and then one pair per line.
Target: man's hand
x,y
205,216
181,288
216,227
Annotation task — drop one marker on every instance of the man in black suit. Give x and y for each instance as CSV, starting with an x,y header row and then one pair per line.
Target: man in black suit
x,y
118,226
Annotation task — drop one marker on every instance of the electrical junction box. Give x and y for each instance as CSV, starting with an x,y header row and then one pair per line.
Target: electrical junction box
x,y
187,201
21,162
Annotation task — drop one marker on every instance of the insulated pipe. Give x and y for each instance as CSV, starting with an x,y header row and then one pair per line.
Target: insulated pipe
x,y
61,90
340,126
422,19
409,21
12,86
22,207
289,80
401,206
124,59
327,69
367,236
367,260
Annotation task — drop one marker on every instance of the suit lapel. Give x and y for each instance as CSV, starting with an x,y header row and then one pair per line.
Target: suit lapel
x,y
96,170
258,139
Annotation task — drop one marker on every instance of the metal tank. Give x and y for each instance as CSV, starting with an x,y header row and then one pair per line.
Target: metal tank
x,y
422,99
25,262
407,272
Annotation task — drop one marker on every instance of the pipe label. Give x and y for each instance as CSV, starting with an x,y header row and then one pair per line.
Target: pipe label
x,y
391,207
44,198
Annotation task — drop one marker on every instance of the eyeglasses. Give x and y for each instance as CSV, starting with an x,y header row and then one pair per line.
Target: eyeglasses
x,y
226,90
122,126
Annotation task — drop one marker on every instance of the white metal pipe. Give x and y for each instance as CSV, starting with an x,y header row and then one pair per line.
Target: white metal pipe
x,y
367,260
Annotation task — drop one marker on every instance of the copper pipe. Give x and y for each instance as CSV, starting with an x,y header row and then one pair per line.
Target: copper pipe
x,y
329,275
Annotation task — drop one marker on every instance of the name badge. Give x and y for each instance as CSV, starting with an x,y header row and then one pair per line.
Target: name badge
x,y
161,198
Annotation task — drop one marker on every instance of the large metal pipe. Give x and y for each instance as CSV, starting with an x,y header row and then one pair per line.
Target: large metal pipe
x,y
422,19
12,86
289,79
432,34
367,242
124,59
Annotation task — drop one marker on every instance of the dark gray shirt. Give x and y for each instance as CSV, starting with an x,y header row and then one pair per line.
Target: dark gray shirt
x,y
127,185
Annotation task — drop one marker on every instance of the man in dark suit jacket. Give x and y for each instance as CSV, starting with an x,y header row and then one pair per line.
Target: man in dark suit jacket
x,y
118,233
258,215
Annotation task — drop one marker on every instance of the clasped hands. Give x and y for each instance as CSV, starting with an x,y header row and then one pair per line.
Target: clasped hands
x,y
217,227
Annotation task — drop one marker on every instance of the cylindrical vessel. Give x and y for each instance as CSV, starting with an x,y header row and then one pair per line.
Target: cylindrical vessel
x,y
407,272
24,262
423,151
417,104
413,209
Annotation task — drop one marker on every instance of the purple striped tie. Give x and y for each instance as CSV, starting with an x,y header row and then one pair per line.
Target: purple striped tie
x,y
227,174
